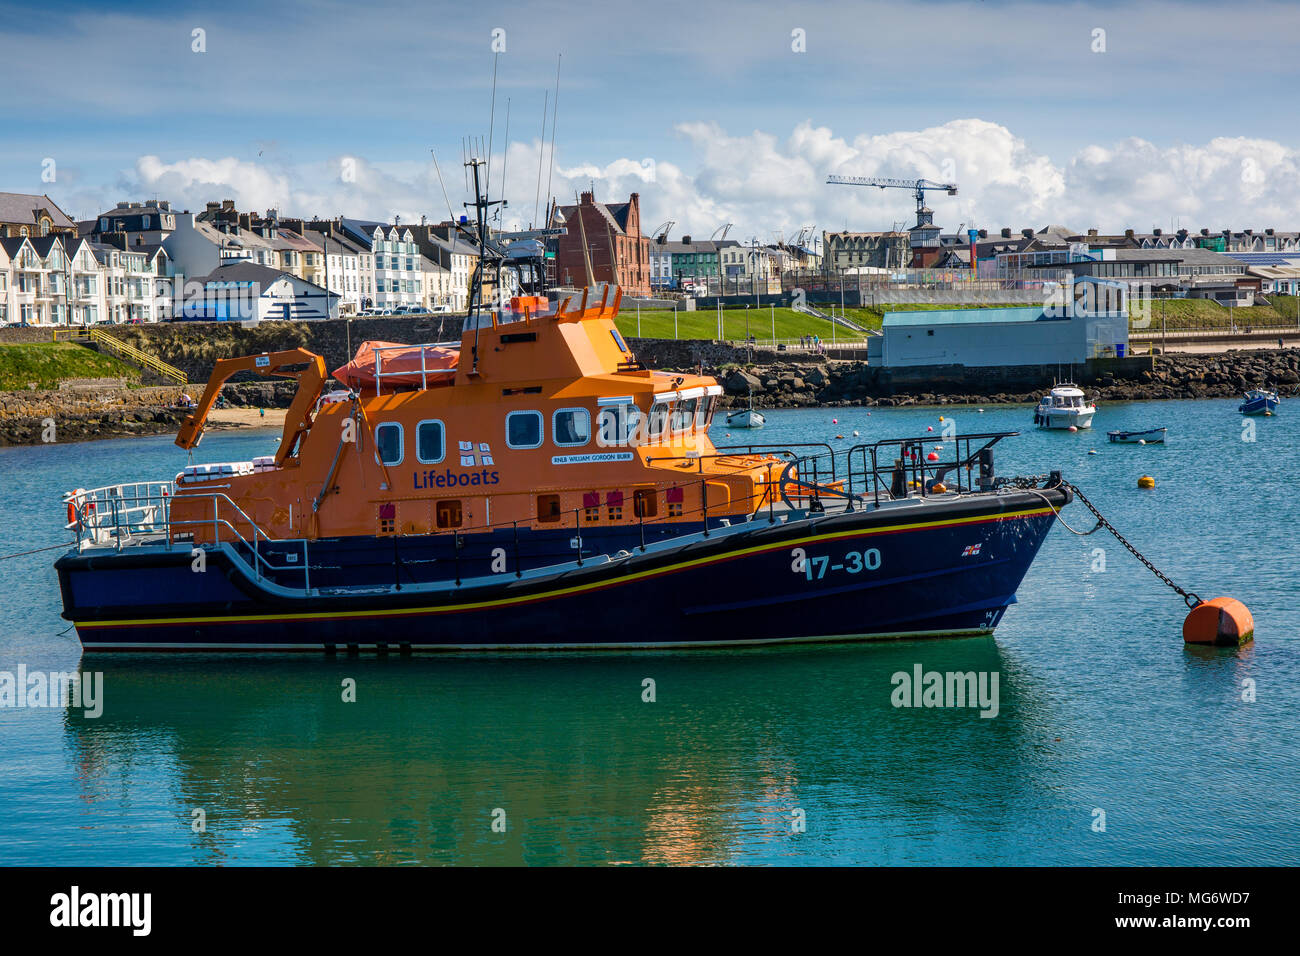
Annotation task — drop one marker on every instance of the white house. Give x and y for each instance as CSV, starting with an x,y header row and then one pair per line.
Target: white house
x,y
398,276
247,292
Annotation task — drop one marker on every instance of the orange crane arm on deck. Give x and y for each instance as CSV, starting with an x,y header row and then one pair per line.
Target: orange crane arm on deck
x,y
298,419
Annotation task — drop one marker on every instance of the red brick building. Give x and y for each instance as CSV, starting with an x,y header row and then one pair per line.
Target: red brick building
x,y
617,250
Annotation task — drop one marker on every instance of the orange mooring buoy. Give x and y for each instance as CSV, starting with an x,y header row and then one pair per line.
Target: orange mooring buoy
x,y
1221,621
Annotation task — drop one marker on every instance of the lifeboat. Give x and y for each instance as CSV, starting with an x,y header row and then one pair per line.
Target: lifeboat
x,y
533,485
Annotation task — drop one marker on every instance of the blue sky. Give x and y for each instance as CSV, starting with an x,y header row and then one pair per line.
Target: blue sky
x,y
1178,112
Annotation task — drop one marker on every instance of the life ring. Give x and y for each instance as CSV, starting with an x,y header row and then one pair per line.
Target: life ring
x,y
72,507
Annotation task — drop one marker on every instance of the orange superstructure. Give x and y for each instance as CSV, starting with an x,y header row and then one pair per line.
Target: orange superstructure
x,y
541,418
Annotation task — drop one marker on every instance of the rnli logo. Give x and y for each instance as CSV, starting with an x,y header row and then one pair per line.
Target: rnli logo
x,y
469,458
970,550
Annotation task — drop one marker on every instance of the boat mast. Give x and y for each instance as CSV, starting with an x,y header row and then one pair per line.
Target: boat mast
x,y
481,205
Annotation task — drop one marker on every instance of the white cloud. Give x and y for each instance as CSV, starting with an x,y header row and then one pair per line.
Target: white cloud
x,y
765,184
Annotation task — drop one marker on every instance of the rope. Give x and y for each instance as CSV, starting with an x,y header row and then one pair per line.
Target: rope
x,y
1190,598
19,554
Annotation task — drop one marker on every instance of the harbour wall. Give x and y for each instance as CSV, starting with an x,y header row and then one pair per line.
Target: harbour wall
x,y
773,378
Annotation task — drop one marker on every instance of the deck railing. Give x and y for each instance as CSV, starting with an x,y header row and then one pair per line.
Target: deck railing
x,y
800,479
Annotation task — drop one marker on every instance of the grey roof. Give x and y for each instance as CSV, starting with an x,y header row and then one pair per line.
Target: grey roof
x,y
1199,257
245,271
43,244
22,207
12,244
615,215
684,248
457,245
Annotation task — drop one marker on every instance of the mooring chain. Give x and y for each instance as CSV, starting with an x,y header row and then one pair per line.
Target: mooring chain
x,y
1190,598
1031,484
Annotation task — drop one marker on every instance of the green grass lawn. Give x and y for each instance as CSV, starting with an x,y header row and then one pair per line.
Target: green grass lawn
x,y
1204,314
703,324
48,363
737,324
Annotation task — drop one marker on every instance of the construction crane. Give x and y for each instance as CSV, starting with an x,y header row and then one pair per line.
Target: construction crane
x,y
918,187
803,236
723,229
663,230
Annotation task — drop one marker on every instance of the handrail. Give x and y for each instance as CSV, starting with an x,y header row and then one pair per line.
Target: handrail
x,y
124,350
911,465
117,513
425,371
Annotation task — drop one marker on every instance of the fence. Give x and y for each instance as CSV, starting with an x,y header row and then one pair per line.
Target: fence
x,y
122,350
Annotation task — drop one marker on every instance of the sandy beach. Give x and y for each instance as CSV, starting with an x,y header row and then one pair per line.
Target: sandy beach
x,y
221,418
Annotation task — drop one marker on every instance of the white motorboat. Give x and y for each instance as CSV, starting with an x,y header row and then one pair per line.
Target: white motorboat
x,y
746,418
1064,407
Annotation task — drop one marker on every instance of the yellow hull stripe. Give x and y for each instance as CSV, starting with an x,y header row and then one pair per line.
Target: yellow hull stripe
x,y
562,592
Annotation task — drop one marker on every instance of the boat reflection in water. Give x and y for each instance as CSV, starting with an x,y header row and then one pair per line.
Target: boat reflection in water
x,y
584,767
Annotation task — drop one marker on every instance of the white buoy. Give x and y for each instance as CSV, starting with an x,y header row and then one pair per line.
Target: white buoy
x,y
1074,428
1142,441
855,434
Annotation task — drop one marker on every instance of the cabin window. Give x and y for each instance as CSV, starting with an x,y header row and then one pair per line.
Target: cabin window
x,y
704,413
447,513
524,429
430,444
618,340
645,503
658,419
388,443
617,424
548,508
684,414
571,427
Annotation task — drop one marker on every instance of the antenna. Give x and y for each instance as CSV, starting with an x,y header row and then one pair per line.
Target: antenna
x,y
541,150
492,119
505,160
555,113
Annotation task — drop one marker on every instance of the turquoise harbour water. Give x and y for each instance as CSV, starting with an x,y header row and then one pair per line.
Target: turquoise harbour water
x,y
1102,708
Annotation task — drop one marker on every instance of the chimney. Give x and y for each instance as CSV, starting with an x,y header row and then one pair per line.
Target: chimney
x,y
1027,233
227,205
1268,232
1205,232
165,205
213,206
1128,233
587,198
124,205
685,239
1092,232
984,233
1157,232
1006,233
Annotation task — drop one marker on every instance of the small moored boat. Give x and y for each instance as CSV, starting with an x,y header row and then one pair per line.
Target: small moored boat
x,y
1064,407
1152,436
1259,401
746,418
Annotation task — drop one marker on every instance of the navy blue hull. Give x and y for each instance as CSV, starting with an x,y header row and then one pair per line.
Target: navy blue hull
x,y
945,568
